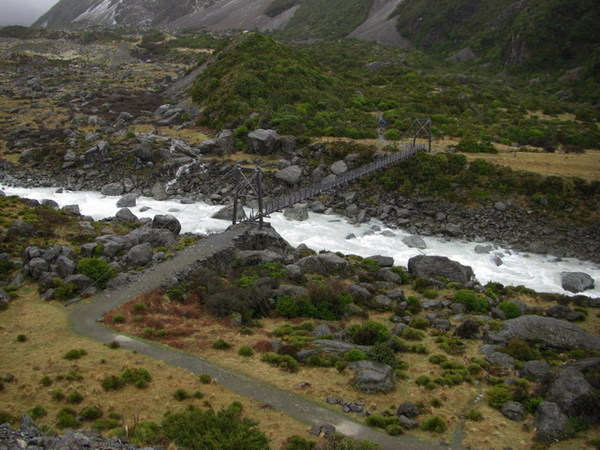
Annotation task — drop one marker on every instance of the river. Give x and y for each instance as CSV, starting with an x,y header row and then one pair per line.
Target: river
x,y
329,232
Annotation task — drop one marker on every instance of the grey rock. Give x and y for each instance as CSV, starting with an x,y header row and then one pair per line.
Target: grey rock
x,y
501,359
574,394
576,281
120,280
551,423
415,242
321,330
21,229
564,313
71,209
36,266
336,347
112,189
65,266
125,215
4,299
358,292
139,255
383,303
339,167
159,192
323,263
441,324
408,424
225,143
396,294
387,274
535,370
399,328
482,249
372,376
226,213
127,201
549,332
514,411
263,142
166,222
408,409
144,151
294,291
81,281
256,257
291,175
439,267
384,261
298,212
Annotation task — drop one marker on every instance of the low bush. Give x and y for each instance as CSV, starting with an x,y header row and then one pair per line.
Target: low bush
x,y
220,344
245,350
205,378
140,378
181,394
469,329
383,353
74,354
67,418
97,270
112,383
412,334
434,424
510,309
470,299
354,355
474,415
369,333
37,412
298,443
195,429
90,413
46,381
74,398
284,362
498,396
520,349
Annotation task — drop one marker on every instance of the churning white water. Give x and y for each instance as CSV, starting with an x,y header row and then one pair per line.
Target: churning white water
x,y
328,232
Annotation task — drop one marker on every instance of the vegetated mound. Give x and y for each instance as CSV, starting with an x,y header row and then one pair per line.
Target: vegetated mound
x,y
533,33
285,87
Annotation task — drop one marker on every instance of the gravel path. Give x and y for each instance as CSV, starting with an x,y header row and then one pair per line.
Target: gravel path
x,y
85,316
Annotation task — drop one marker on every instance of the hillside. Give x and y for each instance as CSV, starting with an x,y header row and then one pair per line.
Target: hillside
x,y
534,33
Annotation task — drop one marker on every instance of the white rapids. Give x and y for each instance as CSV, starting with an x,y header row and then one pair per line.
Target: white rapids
x,y
329,232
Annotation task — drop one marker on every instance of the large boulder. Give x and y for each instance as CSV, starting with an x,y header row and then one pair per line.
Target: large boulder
x,y
112,189
549,332
225,143
263,142
574,394
21,229
291,175
424,266
298,212
372,376
551,423
4,299
336,347
139,255
576,281
166,222
415,242
323,263
339,167
127,201
226,213
159,192
125,215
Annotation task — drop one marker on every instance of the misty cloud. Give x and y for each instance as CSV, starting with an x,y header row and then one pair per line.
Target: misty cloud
x,y
23,12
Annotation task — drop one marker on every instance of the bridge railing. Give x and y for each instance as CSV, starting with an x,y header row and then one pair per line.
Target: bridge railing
x,y
305,192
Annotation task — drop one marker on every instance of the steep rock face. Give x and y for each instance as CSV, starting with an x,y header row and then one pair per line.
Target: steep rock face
x,y
379,27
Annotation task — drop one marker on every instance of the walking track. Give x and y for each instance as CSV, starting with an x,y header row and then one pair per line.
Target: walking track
x,y
85,319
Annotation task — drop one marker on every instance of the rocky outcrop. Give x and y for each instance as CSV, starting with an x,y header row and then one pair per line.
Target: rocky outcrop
x,y
373,376
549,332
551,423
576,281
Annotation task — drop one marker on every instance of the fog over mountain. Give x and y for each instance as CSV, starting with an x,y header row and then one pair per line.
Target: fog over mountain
x,y
23,12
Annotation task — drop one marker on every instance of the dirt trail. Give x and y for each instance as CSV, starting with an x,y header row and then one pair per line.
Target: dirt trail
x,y
85,319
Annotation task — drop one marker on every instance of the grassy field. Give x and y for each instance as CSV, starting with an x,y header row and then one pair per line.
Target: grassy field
x,y
48,339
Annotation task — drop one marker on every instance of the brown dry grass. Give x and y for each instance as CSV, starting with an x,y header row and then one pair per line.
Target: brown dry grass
x,y
201,332
49,338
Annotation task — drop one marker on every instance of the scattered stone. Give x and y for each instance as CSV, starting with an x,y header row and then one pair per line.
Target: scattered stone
x,y
564,313
127,201
339,167
551,423
139,255
159,192
112,189
535,370
291,175
298,212
514,411
415,242
372,376
384,261
166,222
263,142
126,216
408,409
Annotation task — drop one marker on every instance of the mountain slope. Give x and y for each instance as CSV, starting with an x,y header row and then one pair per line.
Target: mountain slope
x,y
534,33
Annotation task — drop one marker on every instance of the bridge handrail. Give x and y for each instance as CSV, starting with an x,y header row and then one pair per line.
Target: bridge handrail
x,y
305,192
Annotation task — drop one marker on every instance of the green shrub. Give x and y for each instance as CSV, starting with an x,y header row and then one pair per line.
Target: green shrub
x,y
245,350
37,412
74,398
287,307
112,383
354,354
470,299
436,402
434,424
21,338
520,349
181,395
422,380
145,433
510,309
90,413
412,334
97,270
118,318
531,404
74,354
195,429
419,323
498,396
66,418
57,394
382,352
298,443
205,378
394,429
370,333
46,381
65,291
220,344
140,378
474,415
284,362
414,305
437,359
